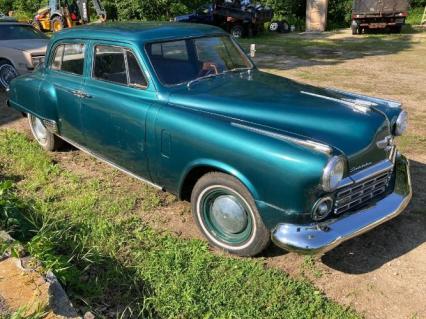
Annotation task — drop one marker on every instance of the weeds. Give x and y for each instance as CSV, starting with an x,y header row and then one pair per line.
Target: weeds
x,y
111,263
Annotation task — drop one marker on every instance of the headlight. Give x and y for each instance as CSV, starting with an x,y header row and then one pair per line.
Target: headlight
x,y
37,60
333,173
401,123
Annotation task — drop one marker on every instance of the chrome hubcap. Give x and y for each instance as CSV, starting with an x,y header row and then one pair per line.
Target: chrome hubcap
x,y
39,130
273,27
7,74
228,213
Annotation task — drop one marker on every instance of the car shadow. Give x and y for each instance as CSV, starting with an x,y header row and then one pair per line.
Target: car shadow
x,y
388,241
7,114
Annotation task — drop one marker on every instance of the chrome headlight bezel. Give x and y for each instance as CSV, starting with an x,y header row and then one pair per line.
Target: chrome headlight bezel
x,y
333,173
401,123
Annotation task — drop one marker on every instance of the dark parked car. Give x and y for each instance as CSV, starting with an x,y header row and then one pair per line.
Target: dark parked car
x,y
181,107
234,17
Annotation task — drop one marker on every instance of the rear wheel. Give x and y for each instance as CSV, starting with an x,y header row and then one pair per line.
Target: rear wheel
x,y
274,26
237,31
226,214
7,73
37,25
47,140
57,24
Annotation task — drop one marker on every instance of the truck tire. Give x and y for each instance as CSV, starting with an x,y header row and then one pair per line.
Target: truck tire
x,y
284,27
226,214
37,25
57,24
396,29
237,31
356,29
274,26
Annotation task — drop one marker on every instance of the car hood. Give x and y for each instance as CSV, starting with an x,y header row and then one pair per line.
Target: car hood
x,y
35,47
274,103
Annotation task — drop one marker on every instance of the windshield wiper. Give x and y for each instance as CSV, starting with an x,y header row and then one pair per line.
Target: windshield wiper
x,y
214,75
202,78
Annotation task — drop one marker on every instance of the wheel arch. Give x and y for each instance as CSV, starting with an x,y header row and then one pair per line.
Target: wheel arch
x,y
199,168
7,60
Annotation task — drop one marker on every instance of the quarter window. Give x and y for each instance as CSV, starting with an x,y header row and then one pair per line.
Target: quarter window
x,y
69,58
57,60
136,77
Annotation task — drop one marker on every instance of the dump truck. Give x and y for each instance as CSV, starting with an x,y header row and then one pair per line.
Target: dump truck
x,y
379,14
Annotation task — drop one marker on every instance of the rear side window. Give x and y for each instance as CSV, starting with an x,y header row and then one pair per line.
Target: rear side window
x,y
110,64
69,58
118,65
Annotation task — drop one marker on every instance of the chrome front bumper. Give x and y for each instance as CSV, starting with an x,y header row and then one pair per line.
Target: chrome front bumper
x,y
321,237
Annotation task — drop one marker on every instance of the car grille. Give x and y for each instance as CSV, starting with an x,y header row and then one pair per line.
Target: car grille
x,y
362,192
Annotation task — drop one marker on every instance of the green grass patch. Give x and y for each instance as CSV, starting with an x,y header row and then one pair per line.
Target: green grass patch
x,y
112,263
415,16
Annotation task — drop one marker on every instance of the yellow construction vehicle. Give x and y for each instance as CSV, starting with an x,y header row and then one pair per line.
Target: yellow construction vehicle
x,y
60,14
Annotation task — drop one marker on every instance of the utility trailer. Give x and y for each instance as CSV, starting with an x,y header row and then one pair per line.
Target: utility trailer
x,y
378,14
233,16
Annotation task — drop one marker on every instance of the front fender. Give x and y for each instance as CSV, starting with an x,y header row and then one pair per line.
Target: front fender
x,y
219,166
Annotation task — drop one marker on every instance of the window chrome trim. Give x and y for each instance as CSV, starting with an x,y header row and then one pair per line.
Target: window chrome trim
x,y
57,45
323,148
123,49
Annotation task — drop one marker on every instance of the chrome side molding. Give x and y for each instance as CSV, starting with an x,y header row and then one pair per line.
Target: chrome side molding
x,y
102,159
323,148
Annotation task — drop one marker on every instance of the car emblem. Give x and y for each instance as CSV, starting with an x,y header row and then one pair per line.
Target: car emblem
x,y
387,143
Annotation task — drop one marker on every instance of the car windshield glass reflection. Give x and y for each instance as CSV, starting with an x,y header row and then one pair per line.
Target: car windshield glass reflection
x,y
184,61
20,32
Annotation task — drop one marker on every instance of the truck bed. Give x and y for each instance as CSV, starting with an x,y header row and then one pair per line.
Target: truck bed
x,y
379,7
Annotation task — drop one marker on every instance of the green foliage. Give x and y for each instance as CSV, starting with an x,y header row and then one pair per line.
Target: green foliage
x,y
339,14
90,235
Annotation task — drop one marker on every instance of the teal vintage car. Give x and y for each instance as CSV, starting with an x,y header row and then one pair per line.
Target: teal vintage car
x,y
259,156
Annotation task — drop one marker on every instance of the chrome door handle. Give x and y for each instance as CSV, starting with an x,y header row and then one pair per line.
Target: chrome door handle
x,y
81,94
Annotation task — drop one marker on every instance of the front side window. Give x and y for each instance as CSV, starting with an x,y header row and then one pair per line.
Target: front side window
x,y
110,64
69,58
206,56
118,65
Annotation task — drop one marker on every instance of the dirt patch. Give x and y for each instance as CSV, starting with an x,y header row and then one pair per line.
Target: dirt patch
x,y
381,274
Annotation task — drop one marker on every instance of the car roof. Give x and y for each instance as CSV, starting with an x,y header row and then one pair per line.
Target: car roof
x,y
138,31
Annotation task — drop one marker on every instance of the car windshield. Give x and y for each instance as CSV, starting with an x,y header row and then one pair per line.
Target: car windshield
x,y
188,60
19,32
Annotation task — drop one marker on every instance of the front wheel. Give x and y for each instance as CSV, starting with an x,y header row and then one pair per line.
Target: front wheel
x,y
7,74
226,214
237,31
47,140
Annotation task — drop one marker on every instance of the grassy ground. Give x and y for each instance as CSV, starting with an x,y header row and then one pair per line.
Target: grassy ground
x,y
113,264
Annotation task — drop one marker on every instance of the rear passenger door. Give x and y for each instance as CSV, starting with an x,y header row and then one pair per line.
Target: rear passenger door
x,y
114,113
65,74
